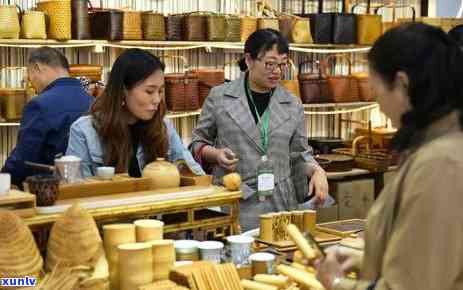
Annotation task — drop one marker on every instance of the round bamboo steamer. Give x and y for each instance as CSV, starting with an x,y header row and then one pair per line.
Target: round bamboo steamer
x,y
135,265
19,255
163,258
149,230
186,250
113,236
74,239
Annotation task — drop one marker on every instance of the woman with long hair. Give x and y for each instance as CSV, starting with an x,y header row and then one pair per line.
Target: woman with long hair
x,y
126,127
414,232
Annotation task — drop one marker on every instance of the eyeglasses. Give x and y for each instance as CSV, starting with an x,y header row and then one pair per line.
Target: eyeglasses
x,y
271,65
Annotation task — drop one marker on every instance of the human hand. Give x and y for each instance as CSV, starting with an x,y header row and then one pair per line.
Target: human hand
x,y
226,159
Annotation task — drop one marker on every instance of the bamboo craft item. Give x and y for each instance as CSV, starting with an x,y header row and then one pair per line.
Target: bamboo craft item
x,y
9,22
113,236
19,255
74,239
302,277
253,285
148,230
301,242
163,258
135,265
60,18
279,281
273,225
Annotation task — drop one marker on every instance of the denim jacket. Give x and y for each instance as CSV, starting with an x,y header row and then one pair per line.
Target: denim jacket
x,y
85,143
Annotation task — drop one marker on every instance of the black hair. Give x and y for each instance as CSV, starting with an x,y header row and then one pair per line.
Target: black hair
x,y
261,41
433,62
457,34
48,56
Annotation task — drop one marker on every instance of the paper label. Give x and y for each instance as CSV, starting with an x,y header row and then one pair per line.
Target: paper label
x,y
265,182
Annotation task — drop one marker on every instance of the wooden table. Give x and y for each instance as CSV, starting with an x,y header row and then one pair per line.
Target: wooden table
x,y
178,214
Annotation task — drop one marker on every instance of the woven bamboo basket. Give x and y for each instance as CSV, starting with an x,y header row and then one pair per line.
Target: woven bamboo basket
x,y
33,25
182,90
216,27
9,22
154,27
195,26
232,28
208,78
366,94
59,18
248,26
374,160
12,102
131,25
174,27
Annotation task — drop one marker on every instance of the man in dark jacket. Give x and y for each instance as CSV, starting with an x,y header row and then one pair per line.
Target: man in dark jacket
x,y
47,117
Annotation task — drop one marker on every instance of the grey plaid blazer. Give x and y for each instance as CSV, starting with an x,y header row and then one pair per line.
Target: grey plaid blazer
x,y
226,121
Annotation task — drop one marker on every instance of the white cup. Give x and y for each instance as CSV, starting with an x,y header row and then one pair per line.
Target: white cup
x,y
240,248
105,172
211,251
5,183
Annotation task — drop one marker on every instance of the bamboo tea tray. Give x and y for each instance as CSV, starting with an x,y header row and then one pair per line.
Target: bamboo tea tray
x,y
344,228
95,186
288,246
132,198
21,203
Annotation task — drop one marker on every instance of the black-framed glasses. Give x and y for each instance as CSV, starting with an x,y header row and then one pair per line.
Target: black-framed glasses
x,y
272,65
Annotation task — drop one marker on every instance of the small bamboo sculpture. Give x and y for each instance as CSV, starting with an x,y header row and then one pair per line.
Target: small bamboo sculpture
x,y
273,225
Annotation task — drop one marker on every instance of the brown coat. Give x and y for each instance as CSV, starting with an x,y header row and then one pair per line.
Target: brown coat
x,y
414,236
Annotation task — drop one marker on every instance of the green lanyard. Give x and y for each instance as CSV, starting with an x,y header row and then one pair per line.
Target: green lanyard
x,y
264,122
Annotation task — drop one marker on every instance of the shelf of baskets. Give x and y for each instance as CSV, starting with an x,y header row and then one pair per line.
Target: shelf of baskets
x,y
174,45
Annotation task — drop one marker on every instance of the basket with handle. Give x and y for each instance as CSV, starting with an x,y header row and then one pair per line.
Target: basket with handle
x,y
341,88
132,25
387,25
154,26
208,78
216,27
232,28
313,86
182,89
80,19
195,26
33,25
9,21
59,18
174,27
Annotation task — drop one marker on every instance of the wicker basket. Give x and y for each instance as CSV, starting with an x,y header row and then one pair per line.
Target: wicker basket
x,y
9,22
366,93
131,25
80,19
59,18
248,26
337,162
12,103
232,28
208,78
93,72
174,27
33,25
106,24
195,26
263,23
216,27
374,160
182,89
154,27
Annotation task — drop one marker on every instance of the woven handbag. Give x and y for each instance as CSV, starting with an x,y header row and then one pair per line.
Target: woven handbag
x,y
80,19
59,18
216,27
9,21
182,90
341,88
195,26
33,25
248,26
174,27
131,25
208,78
154,27
232,28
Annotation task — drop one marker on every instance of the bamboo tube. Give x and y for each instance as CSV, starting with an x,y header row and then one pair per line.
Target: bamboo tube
x,y
163,258
301,242
252,285
298,219
310,219
266,230
302,277
279,281
113,236
149,230
135,265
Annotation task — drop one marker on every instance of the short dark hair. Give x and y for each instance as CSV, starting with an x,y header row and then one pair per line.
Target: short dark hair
x,y
261,41
48,56
433,62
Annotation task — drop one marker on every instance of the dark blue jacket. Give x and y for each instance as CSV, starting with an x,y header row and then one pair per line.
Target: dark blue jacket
x,y
45,123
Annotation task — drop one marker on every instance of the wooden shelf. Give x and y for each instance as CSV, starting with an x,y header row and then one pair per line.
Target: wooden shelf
x,y
172,45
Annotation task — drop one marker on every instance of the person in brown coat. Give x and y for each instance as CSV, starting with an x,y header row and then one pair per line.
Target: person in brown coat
x,y
414,233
